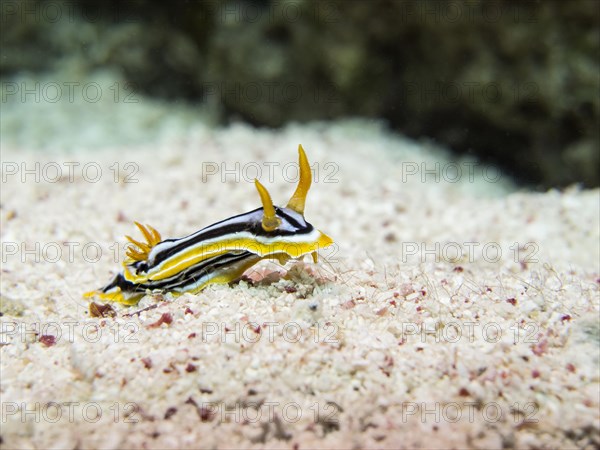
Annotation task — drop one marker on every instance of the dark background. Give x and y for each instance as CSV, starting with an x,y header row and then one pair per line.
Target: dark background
x,y
516,83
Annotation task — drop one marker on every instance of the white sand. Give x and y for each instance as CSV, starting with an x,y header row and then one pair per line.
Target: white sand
x,y
392,341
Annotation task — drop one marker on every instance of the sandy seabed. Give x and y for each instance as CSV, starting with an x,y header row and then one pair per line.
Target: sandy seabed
x,y
451,313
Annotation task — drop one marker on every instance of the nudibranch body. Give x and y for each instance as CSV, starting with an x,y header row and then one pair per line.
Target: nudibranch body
x,y
219,253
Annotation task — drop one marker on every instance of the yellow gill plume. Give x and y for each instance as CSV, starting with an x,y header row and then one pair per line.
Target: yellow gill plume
x,y
140,253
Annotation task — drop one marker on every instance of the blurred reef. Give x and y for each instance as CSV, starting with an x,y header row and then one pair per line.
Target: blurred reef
x,y
516,83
